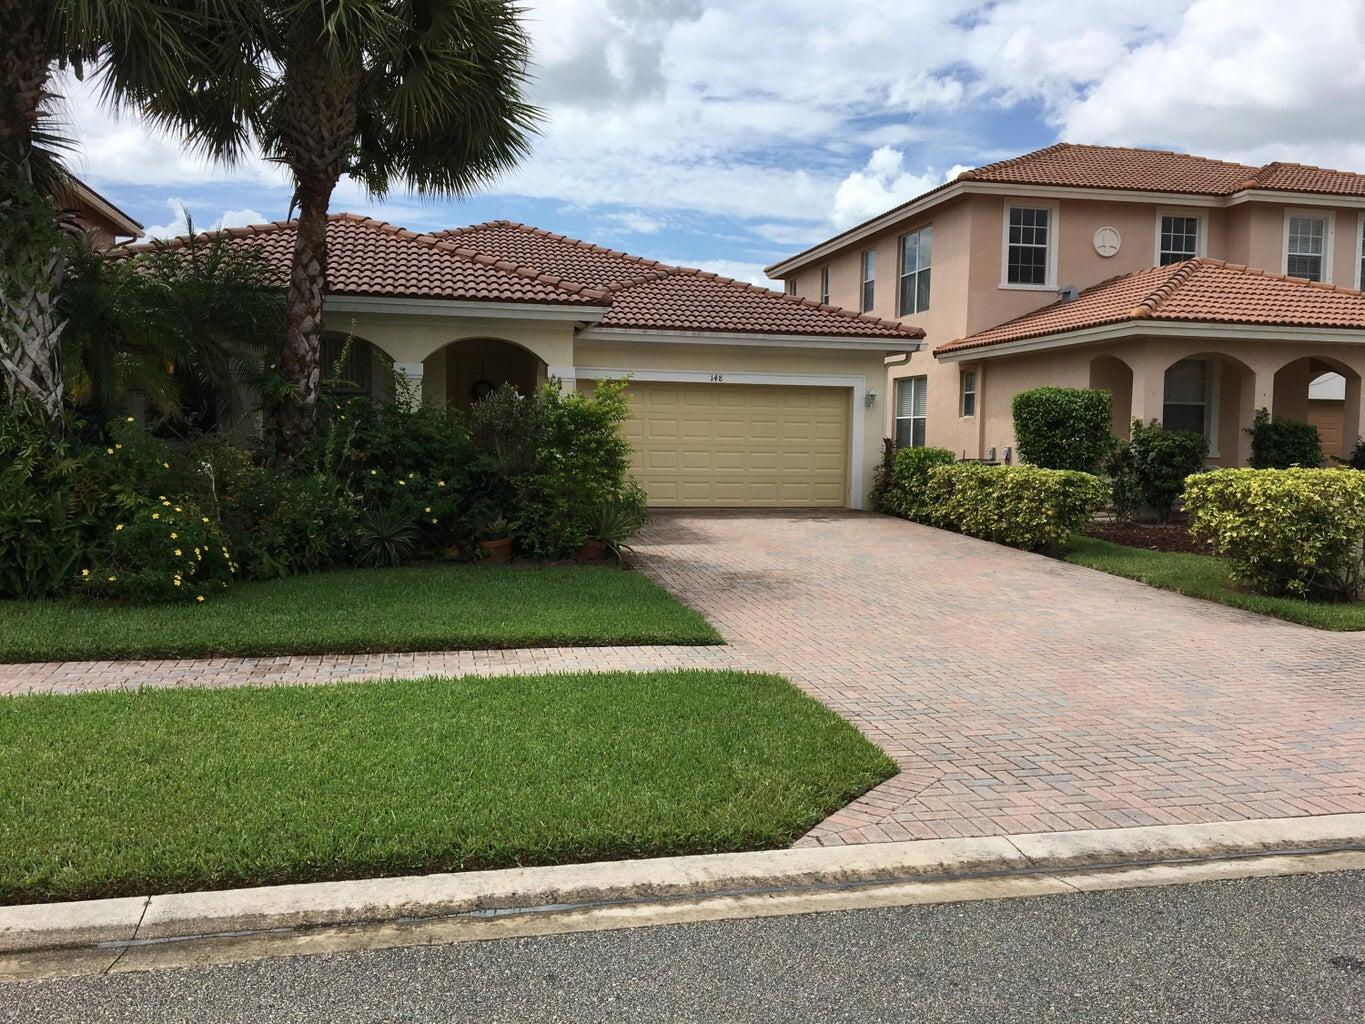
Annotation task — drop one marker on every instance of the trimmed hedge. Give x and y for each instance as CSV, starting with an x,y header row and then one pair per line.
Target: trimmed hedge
x,y
1064,428
1297,532
905,494
1282,444
1022,506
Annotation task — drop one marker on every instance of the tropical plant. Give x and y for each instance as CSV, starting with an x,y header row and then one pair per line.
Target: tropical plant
x,y
620,517
429,94
147,52
385,536
188,325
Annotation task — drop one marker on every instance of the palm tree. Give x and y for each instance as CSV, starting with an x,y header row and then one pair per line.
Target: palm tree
x,y
148,51
426,92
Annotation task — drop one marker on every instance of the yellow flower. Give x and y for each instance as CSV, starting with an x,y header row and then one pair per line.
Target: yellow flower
x,y
165,465
85,573
160,497
433,520
130,419
177,552
113,579
156,515
179,509
167,504
205,519
427,509
108,451
118,527
402,483
175,536
440,483
177,581
373,471
200,598
118,446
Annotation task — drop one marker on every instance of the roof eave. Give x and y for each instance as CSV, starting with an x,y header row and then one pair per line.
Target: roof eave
x,y
342,302
864,343
1149,327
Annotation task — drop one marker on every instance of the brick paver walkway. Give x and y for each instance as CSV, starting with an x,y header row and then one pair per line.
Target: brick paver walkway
x,y
1023,694
85,676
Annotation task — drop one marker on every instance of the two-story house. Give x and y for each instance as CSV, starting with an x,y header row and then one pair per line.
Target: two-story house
x,y
1197,291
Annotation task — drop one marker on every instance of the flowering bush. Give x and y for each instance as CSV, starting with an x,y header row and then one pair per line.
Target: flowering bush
x,y
1286,531
1022,506
163,550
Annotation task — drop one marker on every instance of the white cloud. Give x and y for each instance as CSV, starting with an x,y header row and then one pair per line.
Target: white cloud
x,y
882,184
179,224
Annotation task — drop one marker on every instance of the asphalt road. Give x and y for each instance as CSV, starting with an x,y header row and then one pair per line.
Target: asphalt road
x,y
1266,950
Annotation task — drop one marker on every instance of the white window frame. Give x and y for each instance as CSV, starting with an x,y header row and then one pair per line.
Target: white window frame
x,y
824,285
863,280
923,381
919,269
1360,249
1201,242
1213,376
1329,234
1054,234
963,391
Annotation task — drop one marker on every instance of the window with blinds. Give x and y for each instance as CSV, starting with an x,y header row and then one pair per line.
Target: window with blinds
x,y
911,404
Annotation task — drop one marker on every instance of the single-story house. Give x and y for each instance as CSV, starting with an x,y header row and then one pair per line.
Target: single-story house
x,y
740,396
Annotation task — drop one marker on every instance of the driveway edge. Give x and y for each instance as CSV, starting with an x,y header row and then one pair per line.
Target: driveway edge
x,y
123,921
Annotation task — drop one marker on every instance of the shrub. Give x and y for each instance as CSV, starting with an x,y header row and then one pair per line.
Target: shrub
x,y
1022,506
1151,468
881,476
1356,460
1064,428
1299,532
163,550
1281,444
905,494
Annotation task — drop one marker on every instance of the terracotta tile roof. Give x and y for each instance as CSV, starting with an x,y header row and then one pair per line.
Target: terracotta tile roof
x,y
1196,291
370,257
1072,165
649,295
506,262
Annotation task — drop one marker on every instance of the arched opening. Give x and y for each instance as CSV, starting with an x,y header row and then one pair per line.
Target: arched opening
x,y
1112,374
471,368
353,367
1318,390
1212,394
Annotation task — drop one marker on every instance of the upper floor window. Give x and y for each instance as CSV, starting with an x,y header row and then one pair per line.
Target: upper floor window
x,y
869,278
916,250
1029,244
1179,239
911,405
824,285
1307,245
967,397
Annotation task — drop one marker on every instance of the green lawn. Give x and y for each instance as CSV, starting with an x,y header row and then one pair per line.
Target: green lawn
x,y
445,607
1208,577
108,794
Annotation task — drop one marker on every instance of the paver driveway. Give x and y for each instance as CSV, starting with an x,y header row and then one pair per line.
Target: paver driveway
x,y
1022,694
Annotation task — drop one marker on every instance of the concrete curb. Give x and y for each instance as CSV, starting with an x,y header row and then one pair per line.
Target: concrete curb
x,y
571,888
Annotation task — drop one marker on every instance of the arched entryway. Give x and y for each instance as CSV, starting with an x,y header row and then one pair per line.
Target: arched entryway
x,y
1213,394
472,367
1112,374
1318,389
353,367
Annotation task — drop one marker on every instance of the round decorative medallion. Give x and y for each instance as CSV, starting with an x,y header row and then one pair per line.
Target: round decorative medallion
x,y
1107,241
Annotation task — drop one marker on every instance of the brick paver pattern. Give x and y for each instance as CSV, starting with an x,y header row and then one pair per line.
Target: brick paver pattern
x,y
1023,694
1017,693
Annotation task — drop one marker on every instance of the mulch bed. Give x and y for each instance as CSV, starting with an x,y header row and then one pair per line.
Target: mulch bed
x,y
1171,537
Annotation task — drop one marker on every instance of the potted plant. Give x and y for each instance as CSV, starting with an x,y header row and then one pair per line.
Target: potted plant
x,y
619,518
495,540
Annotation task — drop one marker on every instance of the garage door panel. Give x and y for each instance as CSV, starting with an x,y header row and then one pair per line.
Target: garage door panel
x,y
738,445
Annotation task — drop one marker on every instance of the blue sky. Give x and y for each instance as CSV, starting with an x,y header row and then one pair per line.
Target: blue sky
x,y
729,133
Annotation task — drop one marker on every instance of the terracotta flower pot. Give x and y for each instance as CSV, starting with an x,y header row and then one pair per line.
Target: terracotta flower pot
x,y
591,551
496,550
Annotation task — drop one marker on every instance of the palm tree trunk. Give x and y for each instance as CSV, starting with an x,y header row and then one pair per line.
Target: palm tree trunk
x,y
303,323
30,335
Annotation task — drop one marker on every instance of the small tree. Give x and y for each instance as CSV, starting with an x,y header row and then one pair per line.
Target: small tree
x,y
1151,468
1064,428
1283,444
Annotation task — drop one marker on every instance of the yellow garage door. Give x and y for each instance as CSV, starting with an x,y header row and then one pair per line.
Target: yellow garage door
x,y
740,445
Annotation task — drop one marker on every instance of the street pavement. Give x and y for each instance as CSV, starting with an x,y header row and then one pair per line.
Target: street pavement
x,y
1260,950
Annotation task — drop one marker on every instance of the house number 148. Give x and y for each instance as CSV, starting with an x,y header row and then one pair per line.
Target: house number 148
x,y
717,378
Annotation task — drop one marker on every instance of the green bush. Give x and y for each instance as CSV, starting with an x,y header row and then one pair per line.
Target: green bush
x,y
905,494
1022,506
1356,460
164,550
1151,467
1299,532
1282,444
881,476
1064,428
